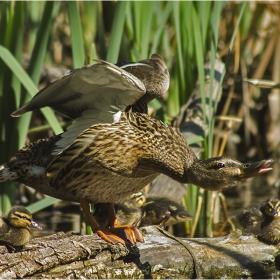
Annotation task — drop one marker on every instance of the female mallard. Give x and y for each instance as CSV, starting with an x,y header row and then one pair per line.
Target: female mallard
x,y
106,155
262,220
15,228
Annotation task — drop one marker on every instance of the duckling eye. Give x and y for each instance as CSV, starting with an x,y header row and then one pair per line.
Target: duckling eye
x,y
221,164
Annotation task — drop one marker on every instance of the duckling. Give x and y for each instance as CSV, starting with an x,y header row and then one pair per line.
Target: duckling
x,y
113,148
262,220
162,211
15,227
128,211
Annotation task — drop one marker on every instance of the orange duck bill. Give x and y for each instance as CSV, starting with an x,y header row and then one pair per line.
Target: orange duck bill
x,y
260,167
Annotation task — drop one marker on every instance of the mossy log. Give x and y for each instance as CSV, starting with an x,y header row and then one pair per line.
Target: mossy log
x,y
160,256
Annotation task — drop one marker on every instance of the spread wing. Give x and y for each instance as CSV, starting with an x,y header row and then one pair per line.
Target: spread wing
x,y
92,94
86,88
98,93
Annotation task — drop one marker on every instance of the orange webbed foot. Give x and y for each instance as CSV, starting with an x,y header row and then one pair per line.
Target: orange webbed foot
x,y
125,234
121,234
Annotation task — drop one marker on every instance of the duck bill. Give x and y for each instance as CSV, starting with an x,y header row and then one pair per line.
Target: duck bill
x,y
35,225
252,169
274,212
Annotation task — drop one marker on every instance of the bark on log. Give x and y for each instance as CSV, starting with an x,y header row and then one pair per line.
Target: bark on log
x,y
160,256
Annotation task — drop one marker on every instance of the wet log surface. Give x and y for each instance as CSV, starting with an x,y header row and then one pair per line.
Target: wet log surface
x,y
160,256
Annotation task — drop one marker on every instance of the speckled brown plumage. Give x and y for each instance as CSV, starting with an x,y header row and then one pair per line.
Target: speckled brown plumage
x,y
262,220
108,162
155,77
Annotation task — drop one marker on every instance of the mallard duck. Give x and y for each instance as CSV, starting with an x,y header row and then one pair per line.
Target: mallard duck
x,y
162,211
15,228
262,220
112,151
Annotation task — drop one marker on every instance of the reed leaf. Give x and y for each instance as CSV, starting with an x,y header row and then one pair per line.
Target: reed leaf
x,y
117,31
29,85
43,203
77,40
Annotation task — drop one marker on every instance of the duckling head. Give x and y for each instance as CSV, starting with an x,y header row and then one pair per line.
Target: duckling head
x,y
272,207
221,172
20,217
139,198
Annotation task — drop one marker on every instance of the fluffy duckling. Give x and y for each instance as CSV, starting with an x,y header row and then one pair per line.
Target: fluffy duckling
x,y
162,211
15,227
262,220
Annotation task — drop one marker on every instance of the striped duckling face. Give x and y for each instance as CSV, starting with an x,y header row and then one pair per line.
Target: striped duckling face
x,y
272,207
20,217
139,198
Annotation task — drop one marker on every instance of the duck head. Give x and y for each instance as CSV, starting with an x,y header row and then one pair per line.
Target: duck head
x,y
153,73
221,172
272,207
139,198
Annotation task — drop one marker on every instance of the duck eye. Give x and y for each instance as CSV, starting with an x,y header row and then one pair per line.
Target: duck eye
x,y
221,164
246,165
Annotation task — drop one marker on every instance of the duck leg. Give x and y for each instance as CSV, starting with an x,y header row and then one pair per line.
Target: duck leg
x,y
115,233
85,206
95,226
126,232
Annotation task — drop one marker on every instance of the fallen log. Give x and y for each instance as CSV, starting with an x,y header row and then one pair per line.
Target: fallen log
x,y
160,256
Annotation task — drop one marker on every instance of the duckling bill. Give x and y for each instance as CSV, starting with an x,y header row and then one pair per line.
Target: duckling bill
x,y
15,228
113,148
262,220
